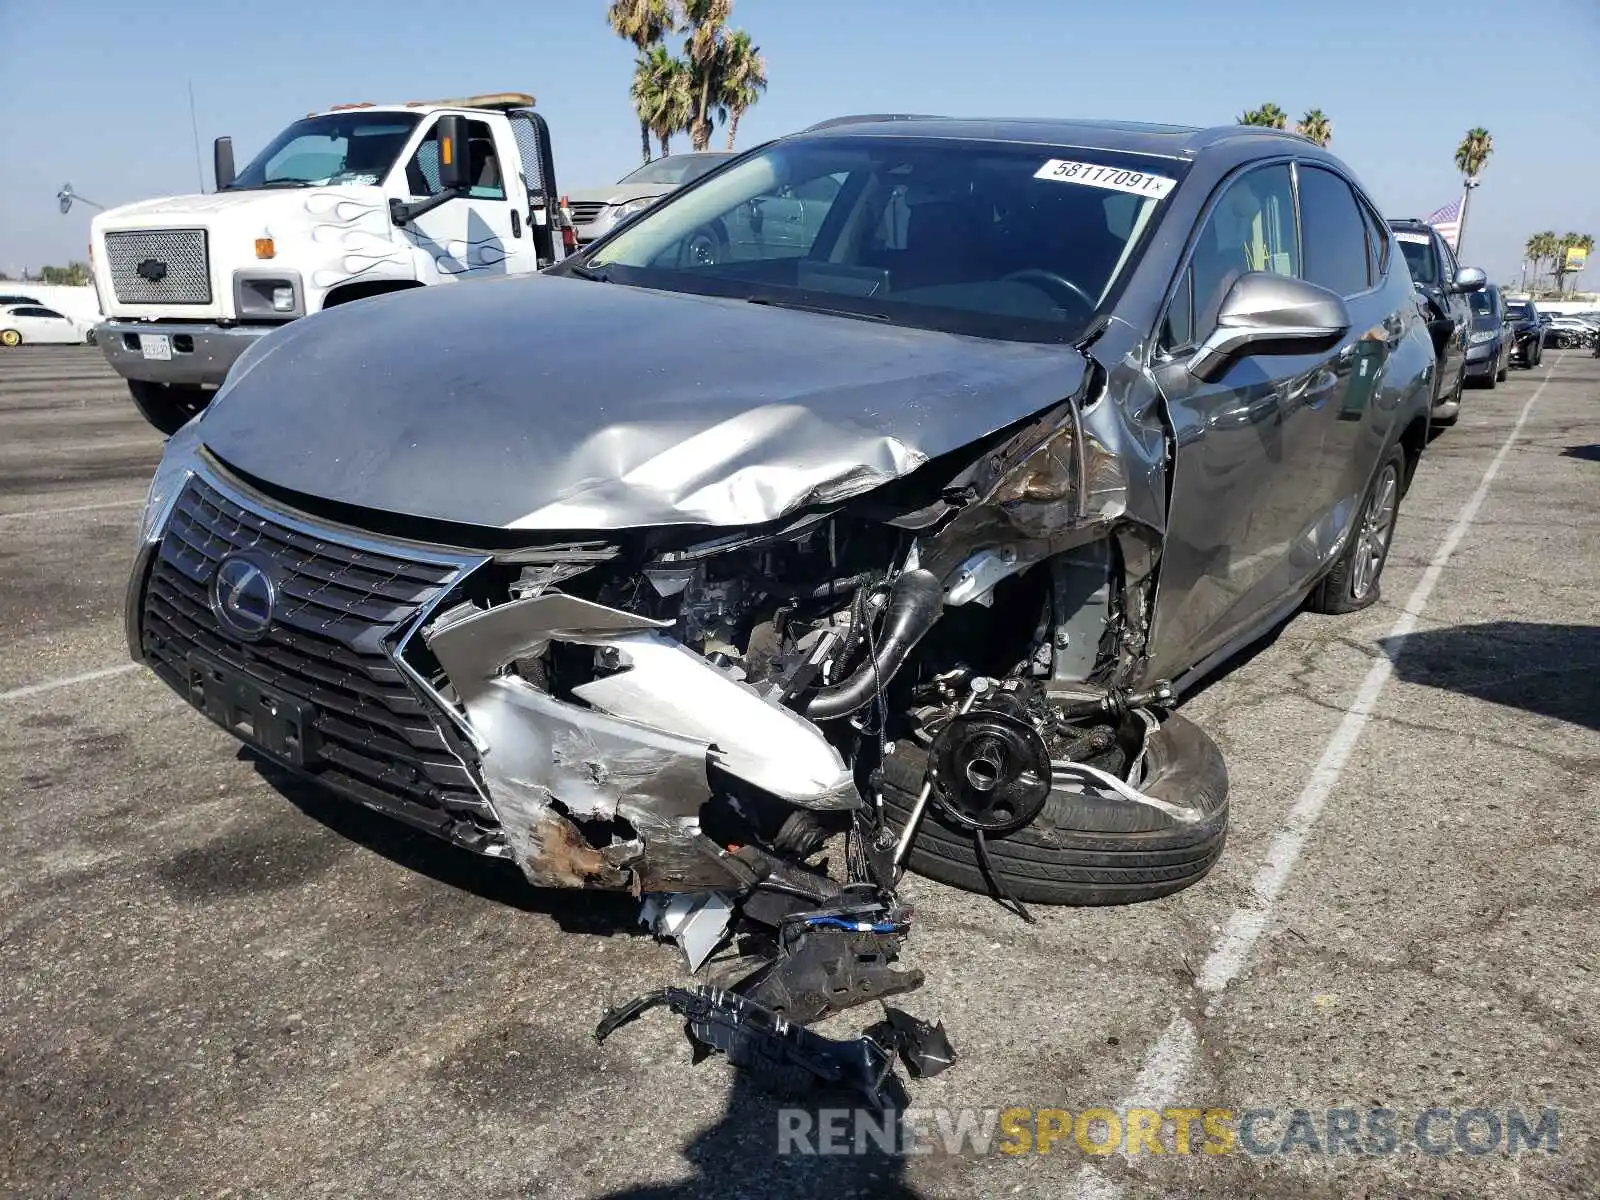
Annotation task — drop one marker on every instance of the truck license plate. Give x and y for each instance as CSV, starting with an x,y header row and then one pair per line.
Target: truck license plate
x,y
155,345
265,717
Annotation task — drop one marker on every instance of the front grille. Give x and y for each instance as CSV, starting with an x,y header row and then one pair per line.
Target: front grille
x,y
182,277
337,605
584,212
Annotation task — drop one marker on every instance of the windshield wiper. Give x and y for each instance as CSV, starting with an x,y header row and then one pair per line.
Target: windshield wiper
x,y
803,306
589,273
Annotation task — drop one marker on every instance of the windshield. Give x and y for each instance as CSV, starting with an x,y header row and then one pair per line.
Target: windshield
x,y
353,147
678,169
996,240
1517,310
1482,303
1420,257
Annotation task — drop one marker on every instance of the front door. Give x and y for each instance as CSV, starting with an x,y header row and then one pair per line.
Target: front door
x,y
1247,470
482,233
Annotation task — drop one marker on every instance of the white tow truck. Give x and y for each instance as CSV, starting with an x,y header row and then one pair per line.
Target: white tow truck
x,y
354,202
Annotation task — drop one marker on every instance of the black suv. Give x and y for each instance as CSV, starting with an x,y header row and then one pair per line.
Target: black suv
x,y
1527,331
1442,288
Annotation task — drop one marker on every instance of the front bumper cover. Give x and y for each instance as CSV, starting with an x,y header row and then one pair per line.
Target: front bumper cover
x,y
202,354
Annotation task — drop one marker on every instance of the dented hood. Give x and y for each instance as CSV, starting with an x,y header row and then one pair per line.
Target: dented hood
x,y
548,403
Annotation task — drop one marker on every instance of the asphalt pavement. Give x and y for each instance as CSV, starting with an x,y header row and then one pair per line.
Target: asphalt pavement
x,y
215,981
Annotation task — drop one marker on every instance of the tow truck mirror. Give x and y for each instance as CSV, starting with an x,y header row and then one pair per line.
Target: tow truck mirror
x,y
222,162
453,154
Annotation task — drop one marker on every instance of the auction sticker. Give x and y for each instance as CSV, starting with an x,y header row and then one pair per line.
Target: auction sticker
x,y
1140,183
1419,239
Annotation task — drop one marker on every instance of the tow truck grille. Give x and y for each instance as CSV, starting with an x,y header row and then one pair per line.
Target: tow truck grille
x,y
337,604
159,266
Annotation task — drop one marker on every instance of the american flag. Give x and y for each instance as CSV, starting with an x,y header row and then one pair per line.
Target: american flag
x,y
1448,222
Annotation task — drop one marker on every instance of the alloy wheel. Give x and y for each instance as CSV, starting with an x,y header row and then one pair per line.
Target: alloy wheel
x,y
1372,538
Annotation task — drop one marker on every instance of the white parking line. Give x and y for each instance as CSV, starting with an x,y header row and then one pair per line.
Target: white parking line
x,y
1161,1077
50,685
76,508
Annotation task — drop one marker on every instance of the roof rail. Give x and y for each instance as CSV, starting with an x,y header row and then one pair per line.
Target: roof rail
x,y
862,118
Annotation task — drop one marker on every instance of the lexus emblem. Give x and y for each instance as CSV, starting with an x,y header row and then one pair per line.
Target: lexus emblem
x,y
242,595
152,269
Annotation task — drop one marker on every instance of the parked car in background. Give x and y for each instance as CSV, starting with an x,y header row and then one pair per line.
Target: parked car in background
x,y
909,476
1527,334
1566,333
1442,290
1490,338
23,323
597,211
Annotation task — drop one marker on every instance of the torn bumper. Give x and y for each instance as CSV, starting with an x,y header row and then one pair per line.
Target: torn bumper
x,y
611,795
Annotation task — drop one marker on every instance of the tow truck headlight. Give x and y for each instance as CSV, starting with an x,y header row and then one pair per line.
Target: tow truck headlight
x,y
270,294
635,206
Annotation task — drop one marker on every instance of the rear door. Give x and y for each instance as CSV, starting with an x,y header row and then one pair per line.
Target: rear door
x,y
1337,238
1248,471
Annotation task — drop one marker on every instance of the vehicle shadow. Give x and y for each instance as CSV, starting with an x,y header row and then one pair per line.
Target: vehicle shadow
x,y
747,1154
1550,670
497,880
1589,453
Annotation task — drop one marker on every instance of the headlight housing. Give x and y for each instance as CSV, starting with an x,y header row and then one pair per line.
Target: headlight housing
x,y
268,295
1484,335
631,207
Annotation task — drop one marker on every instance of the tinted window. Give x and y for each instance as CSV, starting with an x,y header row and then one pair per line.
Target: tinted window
x,y
953,235
1484,302
1518,309
1420,257
1333,235
1251,228
1377,245
35,311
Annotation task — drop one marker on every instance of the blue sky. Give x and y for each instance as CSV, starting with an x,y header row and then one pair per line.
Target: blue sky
x,y
97,93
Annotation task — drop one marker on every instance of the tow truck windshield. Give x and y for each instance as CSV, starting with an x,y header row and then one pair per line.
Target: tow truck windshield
x,y
352,148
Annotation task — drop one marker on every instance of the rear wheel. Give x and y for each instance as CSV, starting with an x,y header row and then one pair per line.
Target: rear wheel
x,y
1352,583
1083,848
167,406
10,338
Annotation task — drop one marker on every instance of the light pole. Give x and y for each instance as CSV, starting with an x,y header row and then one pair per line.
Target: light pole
x,y
1467,184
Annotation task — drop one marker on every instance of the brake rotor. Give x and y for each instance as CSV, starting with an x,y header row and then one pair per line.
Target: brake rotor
x,y
991,772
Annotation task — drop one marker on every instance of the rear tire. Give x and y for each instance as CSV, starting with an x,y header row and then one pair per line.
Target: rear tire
x,y
167,406
10,338
1353,582
1084,849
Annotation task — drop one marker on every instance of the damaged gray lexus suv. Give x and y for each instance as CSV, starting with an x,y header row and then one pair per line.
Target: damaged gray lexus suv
x,y
906,516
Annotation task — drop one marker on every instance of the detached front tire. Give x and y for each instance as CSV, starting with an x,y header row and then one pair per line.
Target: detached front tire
x,y
1083,848
167,406
1353,582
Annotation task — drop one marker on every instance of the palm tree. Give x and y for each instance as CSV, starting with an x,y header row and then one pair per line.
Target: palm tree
x,y
744,79
661,94
1570,241
644,23
1269,115
1471,157
1316,126
707,22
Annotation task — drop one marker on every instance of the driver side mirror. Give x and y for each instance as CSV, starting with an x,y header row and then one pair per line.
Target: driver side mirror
x,y
1470,279
453,154
222,173
1265,313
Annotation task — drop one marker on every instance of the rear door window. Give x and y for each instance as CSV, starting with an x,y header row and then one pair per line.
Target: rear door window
x,y
1333,235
